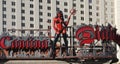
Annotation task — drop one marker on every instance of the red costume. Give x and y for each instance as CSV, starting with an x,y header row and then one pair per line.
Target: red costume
x,y
59,24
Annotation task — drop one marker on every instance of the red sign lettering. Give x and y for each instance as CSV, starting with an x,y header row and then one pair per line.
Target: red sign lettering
x,y
87,34
2,42
21,44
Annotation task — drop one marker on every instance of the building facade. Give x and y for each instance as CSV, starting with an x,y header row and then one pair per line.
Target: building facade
x,y
117,14
38,14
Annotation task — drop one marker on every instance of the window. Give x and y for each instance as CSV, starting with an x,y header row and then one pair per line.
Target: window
x,y
49,8
57,3
23,18
66,16
31,0
31,12
40,7
48,1
41,33
4,2
49,33
97,8
74,23
74,5
13,16
82,6
105,3
13,10
40,26
112,3
49,14
22,11
90,7
81,0
49,21
4,15
82,12
65,10
31,32
13,30
23,31
31,25
41,20
82,18
74,17
112,15
90,13
4,9
23,4
90,19
31,19
4,29
65,4
23,24
97,14
105,8
13,23
49,27
4,22
13,3
57,9
40,0
40,13
31,5
90,1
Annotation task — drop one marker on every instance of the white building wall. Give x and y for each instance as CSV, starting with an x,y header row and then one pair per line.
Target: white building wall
x,y
27,15
110,16
103,14
36,16
86,12
117,15
8,13
1,19
18,16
